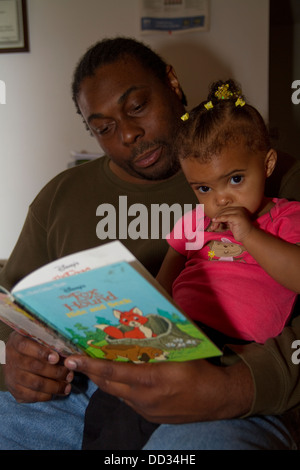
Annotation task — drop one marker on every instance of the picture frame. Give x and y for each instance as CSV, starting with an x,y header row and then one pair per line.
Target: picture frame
x,y
13,26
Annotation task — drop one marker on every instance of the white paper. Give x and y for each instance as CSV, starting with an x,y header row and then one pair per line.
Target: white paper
x,y
9,29
174,15
112,252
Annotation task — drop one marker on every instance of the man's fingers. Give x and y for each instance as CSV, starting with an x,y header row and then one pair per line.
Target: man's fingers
x,y
115,378
30,348
35,388
102,369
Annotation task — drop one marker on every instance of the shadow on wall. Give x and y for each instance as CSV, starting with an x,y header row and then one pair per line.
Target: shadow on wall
x,y
196,68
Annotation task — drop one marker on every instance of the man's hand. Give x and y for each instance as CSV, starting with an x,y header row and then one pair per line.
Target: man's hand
x,y
173,392
32,372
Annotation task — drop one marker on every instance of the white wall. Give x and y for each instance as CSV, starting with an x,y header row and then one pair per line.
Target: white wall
x,y
38,125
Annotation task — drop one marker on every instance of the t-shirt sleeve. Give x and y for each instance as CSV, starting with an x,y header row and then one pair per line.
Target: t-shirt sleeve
x,y
275,369
176,238
188,232
29,253
288,224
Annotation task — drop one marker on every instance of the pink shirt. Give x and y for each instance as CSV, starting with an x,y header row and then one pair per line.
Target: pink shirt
x,y
224,287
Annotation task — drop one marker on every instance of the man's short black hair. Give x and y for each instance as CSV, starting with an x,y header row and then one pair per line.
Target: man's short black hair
x,y
109,51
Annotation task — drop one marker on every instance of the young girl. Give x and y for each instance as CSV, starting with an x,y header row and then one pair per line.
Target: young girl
x,y
244,281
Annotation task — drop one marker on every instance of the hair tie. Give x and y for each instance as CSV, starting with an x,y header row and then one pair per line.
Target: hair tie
x,y
240,102
208,105
185,117
223,92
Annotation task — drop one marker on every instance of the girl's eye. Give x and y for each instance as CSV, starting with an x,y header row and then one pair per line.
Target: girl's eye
x,y
203,189
237,179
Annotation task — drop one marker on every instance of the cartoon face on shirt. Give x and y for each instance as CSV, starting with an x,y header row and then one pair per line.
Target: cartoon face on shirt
x,y
224,250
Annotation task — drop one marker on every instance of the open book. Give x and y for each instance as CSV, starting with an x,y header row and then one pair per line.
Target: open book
x,y
104,303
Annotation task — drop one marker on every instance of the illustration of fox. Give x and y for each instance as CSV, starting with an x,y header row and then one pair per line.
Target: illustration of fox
x,y
133,353
133,318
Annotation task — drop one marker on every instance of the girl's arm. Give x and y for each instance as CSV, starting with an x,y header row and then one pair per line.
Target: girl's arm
x,y
280,259
171,267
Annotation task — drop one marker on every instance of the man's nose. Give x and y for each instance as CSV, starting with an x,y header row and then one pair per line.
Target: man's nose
x,y
130,131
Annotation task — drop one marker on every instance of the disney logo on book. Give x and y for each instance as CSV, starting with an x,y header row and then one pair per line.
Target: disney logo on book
x,y
63,267
70,289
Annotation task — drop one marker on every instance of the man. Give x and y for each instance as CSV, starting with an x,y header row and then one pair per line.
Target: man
x,y
132,102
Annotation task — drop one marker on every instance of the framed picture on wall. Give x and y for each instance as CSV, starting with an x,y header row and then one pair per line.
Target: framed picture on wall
x,y
13,26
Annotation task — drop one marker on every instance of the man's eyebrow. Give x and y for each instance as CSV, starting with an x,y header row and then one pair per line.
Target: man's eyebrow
x,y
121,100
94,116
128,92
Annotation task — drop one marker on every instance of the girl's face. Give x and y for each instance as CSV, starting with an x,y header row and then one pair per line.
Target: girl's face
x,y
235,177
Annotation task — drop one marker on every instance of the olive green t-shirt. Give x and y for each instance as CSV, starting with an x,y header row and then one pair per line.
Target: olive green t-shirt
x,y
88,205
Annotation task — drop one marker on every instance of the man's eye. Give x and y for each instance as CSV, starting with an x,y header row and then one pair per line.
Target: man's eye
x,y
103,129
203,189
236,179
137,107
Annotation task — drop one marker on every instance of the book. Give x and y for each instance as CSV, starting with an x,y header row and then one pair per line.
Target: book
x,y
77,158
103,302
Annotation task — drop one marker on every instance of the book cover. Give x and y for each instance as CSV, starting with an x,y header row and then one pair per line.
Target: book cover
x,y
110,311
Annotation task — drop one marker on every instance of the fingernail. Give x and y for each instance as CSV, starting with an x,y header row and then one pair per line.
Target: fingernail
x,y
70,377
71,364
68,389
52,357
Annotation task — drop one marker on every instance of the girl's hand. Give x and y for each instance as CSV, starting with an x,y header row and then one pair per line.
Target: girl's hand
x,y
237,220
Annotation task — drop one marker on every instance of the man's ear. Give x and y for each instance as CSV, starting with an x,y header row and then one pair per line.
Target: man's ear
x,y
270,162
173,81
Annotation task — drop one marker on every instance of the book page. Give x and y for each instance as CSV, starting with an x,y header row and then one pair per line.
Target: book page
x,y
112,312
77,263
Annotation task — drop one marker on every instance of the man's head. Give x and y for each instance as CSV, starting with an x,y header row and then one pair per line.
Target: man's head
x,y
131,101
109,51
